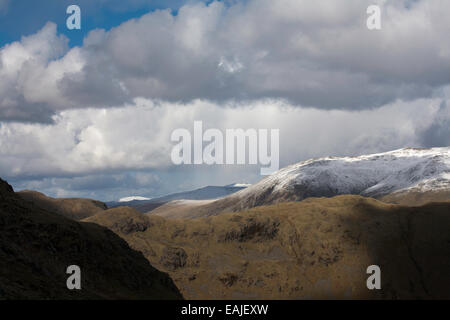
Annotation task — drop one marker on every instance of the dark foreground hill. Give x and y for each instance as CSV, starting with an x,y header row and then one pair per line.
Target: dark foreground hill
x,y
316,248
36,247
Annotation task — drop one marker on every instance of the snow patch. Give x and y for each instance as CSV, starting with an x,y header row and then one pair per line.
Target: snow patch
x,y
239,185
133,198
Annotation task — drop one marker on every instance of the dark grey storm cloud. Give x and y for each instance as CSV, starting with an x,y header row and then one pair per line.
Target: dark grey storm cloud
x,y
438,134
318,55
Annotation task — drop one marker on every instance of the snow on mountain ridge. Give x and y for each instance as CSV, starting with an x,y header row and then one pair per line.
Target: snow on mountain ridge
x,y
239,185
368,175
133,198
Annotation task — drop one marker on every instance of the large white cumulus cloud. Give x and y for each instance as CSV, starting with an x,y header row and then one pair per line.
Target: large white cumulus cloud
x,y
137,136
318,54
30,73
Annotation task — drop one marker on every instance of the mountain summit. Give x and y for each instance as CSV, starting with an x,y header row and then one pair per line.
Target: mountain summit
x,y
372,175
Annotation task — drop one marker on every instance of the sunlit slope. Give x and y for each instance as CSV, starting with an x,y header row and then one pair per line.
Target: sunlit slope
x,y
316,248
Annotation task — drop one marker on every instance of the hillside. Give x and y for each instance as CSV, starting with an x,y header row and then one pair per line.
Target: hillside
x,y
71,208
316,248
181,208
36,247
414,197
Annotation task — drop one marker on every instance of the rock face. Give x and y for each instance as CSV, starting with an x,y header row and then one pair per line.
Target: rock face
x,y
173,258
253,229
313,249
37,246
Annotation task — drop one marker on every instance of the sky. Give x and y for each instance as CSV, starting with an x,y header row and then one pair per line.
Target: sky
x,y
90,112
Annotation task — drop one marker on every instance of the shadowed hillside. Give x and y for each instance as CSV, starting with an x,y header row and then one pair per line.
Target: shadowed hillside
x,y
72,208
317,248
36,246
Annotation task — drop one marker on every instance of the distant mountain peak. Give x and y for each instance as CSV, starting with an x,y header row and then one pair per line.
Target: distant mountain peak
x,y
204,193
238,185
133,198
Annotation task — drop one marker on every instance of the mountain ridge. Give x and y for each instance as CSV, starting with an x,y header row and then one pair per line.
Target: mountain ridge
x,y
204,193
391,176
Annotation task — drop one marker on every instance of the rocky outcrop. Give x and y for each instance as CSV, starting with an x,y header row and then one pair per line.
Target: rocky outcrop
x,y
254,230
173,258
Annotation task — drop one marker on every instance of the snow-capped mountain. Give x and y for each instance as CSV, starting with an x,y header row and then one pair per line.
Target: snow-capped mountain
x,y
133,198
238,185
375,175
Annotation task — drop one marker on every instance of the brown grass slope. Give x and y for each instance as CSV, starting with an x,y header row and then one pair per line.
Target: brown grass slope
x,y
72,208
36,247
236,204
317,248
181,209
417,198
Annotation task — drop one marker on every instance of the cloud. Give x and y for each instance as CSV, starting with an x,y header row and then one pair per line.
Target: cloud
x,y
136,138
438,134
96,186
311,54
96,120
30,71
